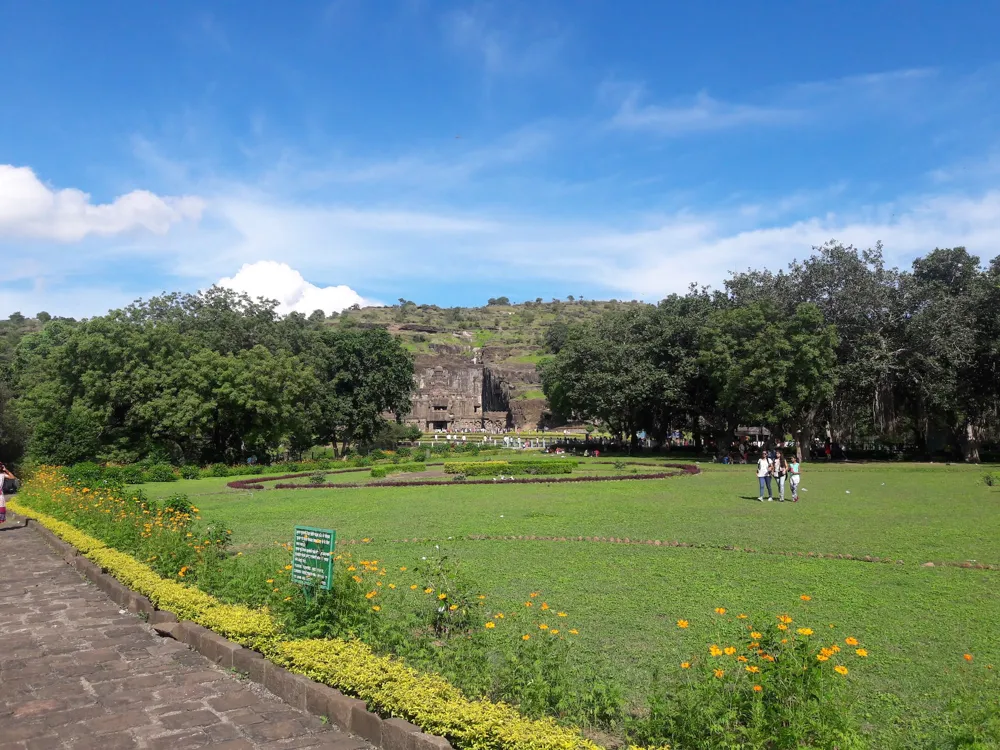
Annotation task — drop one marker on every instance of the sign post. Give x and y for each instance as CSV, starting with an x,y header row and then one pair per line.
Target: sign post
x,y
312,557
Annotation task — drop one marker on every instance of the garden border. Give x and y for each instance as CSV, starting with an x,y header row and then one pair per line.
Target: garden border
x,y
256,483
350,714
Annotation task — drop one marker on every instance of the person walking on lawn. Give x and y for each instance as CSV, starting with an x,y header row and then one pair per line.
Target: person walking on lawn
x,y
780,471
796,477
764,468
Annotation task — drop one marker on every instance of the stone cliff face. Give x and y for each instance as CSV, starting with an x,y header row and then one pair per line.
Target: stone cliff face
x,y
455,393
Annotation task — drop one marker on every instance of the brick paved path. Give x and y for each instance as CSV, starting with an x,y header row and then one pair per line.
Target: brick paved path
x,y
77,673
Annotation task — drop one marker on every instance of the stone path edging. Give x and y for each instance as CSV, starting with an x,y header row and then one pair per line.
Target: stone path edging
x,y
350,714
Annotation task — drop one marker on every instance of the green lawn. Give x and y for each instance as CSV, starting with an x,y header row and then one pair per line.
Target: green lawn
x,y
916,621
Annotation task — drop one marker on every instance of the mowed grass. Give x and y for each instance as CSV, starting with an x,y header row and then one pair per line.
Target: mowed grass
x,y
916,621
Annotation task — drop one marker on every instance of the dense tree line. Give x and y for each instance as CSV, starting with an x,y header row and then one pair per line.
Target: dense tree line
x,y
212,377
837,345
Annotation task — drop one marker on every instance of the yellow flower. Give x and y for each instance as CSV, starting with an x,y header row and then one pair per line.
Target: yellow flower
x,y
189,534
453,607
752,669
554,631
782,626
561,614
967,657
822,657
685,665
840,669
528,604
288,598
442,597
428,590
729,650
480,597
182,571
757,688
719,673
376,608
861,652
755,635
574,632
682,623
413,587
714,650
357,579
720,610
371,595
741,659
533,595
392,585
543,626
741,616
490,625
785,619
351,568
288,567
804,631
525,637
544,606
805,597
851,641
403,569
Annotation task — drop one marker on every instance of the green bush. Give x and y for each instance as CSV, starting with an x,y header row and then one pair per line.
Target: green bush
x,y
159,473
511,468
378,472
190,472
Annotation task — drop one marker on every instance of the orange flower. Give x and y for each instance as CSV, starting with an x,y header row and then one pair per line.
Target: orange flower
x,y
729,650
861,652
714,650
685,665
757,688
782,626
851,641
804,631
719,673
805,597
785,619
755,635
822,657
545,606
840,669
752,669
741,616
967,657
682,623
525,637
742,659
574,632
720,610
543,626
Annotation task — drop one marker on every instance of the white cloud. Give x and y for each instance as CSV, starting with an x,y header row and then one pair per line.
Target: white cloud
x,y
503,46
281,282
702,114
29,208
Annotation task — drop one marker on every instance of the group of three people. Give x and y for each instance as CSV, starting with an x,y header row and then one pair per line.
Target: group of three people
x,y
777,467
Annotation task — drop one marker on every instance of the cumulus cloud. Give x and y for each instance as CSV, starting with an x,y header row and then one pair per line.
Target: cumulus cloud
x,y
281,282
29,208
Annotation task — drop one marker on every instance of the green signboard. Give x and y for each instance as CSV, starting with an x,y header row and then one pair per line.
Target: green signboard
x,y
312,557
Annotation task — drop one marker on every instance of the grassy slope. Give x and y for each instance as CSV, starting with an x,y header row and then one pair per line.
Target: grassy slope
x,y
917,621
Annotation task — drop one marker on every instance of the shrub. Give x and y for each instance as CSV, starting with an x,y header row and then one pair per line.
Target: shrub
x,y
458,478
317,478
495,468
990,480
159,473
216,470
190,472
379,471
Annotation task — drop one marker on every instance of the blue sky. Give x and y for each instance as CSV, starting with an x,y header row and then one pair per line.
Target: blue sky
x,y
328,152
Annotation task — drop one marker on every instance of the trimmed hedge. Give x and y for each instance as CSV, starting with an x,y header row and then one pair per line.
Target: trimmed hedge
x,y
512,468
379,472
383,682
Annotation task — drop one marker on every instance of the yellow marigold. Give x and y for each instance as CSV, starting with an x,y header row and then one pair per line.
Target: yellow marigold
x,y
351,568
403,569
822,657
288,567
767,657
442,597
741,658
574,632
357,579
528,604
720,610
554,631
682,623
729,650
741,616
714,650
543,626
719,673
840,669
428,590
861,652
544,606
453,607
533,595
782,626
413,587
804,631
685,665
392,585
805,597
757,688
851,641
499,615
490,625
755,635
371,595
785,619
561,614
525,637
752,669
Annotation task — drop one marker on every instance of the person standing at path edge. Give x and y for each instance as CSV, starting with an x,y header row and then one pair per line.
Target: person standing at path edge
x,y
5,477
764,477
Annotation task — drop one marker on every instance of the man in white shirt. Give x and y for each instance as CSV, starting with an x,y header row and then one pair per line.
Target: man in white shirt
x,y
764,477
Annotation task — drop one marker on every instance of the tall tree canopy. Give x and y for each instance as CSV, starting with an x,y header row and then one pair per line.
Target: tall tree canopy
x,y
203,378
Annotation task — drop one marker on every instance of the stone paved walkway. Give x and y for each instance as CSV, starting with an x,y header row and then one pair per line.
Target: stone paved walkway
x,y
75,672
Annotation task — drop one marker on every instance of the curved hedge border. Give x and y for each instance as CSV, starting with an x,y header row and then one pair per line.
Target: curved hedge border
x,y
257,483
385,683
